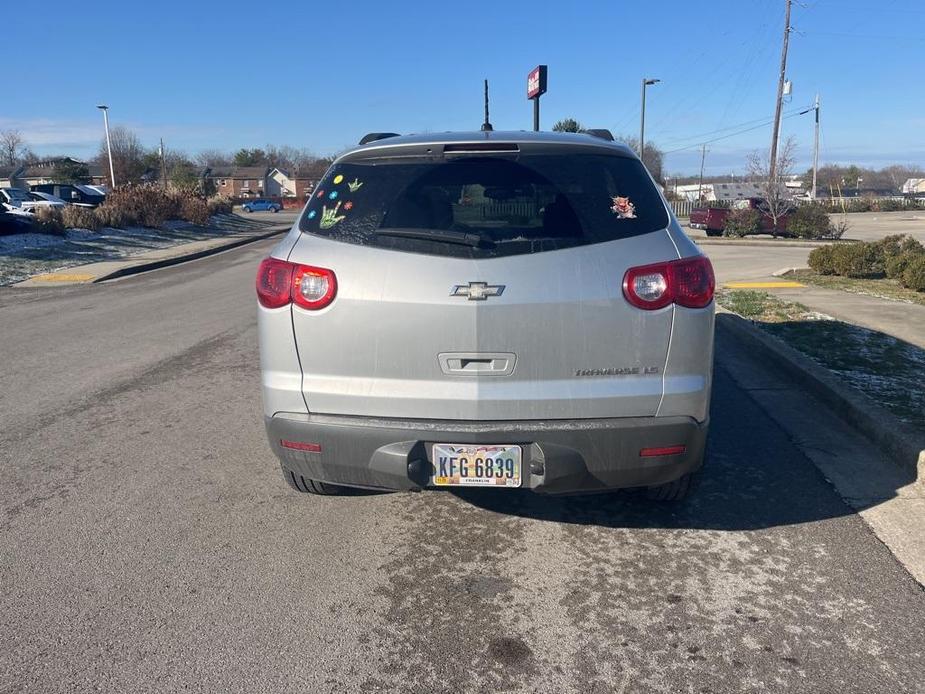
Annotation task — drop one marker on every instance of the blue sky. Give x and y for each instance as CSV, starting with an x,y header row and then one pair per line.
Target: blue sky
x,y
229,74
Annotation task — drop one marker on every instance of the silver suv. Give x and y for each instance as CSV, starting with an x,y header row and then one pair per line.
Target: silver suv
x,y
499,309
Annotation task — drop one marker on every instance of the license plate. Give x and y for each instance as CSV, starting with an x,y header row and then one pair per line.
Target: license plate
x,y
462,465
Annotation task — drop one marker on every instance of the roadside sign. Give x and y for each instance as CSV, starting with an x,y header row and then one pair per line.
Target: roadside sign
x,y
536,82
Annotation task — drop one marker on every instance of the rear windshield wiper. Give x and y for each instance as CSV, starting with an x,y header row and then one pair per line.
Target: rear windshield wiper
x,y
462,238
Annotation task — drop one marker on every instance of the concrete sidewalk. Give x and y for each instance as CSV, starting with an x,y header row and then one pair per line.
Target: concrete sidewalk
x,y
152,260
901,320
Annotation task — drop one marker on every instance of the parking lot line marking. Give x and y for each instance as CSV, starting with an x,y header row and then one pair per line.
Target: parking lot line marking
x,y
63,277
762,285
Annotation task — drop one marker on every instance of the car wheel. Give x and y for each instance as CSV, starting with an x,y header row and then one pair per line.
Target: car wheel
x,y
309,486
714,232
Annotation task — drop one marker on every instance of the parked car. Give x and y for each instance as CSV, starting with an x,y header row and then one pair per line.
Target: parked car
x,y
48,198
22,202
261,205
498,309
80,195
712,218
14,223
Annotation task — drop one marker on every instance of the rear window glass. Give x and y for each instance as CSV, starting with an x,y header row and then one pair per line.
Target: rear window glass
x,y
483,207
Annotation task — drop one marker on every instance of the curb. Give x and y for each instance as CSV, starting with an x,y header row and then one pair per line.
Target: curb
x,y
905,446
176,260
700,241
784,271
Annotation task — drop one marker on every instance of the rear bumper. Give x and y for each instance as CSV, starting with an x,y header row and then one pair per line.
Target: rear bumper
x,y
560,456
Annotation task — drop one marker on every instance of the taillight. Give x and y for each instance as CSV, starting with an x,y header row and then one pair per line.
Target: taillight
x,y
280,283
687,282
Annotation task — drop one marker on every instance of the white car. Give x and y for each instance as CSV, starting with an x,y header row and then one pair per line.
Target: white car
x,y
47,198
22,202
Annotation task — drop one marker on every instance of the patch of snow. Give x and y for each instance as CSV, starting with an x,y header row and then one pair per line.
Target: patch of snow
x,y
20,242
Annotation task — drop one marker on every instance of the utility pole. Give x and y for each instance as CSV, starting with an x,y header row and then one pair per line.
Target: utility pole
x,y
703,156
163,164
816,148
775,136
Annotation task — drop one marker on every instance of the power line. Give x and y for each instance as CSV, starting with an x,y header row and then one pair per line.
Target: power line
x,y
763,120
766,122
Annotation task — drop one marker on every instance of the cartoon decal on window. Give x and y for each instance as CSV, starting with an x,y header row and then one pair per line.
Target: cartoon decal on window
x,y
623,208
329,217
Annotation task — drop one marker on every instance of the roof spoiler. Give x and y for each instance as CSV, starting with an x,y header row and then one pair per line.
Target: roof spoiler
x,y
372,137
599,132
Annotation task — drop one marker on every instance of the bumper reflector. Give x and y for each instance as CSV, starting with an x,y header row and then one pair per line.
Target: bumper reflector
x,y
301,446
665,450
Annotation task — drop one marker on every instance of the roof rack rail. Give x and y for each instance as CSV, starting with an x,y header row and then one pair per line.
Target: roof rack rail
x,y
599,132
372,137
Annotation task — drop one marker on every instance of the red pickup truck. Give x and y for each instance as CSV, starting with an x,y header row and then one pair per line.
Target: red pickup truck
x,y
713,219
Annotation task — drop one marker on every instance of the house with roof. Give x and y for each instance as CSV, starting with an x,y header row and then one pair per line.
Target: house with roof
x,y
239,181
914,186
44,171
283,184
8,175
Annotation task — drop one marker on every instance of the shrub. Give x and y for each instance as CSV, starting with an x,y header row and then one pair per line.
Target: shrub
x,y
48,220
913,276
194,209
75,217
810,222
151,206
112,216
219,204
822,260
741,222
856,260
896,266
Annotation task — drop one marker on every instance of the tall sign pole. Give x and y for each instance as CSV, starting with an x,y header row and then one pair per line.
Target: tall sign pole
x,y
642,118
536,87
775,136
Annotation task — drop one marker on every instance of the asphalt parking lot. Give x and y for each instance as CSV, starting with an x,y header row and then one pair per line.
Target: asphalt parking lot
x,y
764,257
149,544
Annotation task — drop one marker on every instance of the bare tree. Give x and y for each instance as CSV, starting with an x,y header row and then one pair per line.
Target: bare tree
x,y
213,157
777,200
12,148
127,155
653,157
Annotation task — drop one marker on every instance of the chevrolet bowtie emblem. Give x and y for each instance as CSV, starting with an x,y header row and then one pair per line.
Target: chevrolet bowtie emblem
x,y
477,291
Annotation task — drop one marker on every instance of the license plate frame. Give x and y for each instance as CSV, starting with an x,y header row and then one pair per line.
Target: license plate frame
x,y
474,457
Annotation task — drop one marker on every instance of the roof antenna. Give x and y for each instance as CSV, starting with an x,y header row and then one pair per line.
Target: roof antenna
x,y
486,125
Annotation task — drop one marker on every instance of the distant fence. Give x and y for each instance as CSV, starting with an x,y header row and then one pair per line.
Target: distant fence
x,y
682,208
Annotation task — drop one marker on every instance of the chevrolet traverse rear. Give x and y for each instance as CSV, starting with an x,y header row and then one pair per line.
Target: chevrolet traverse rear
x,y
514,310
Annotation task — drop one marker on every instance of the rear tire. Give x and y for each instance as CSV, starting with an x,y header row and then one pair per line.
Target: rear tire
x,y
714,232
309,486
671,491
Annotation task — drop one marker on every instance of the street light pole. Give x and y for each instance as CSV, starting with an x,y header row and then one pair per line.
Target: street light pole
x,y
112,171
642,118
